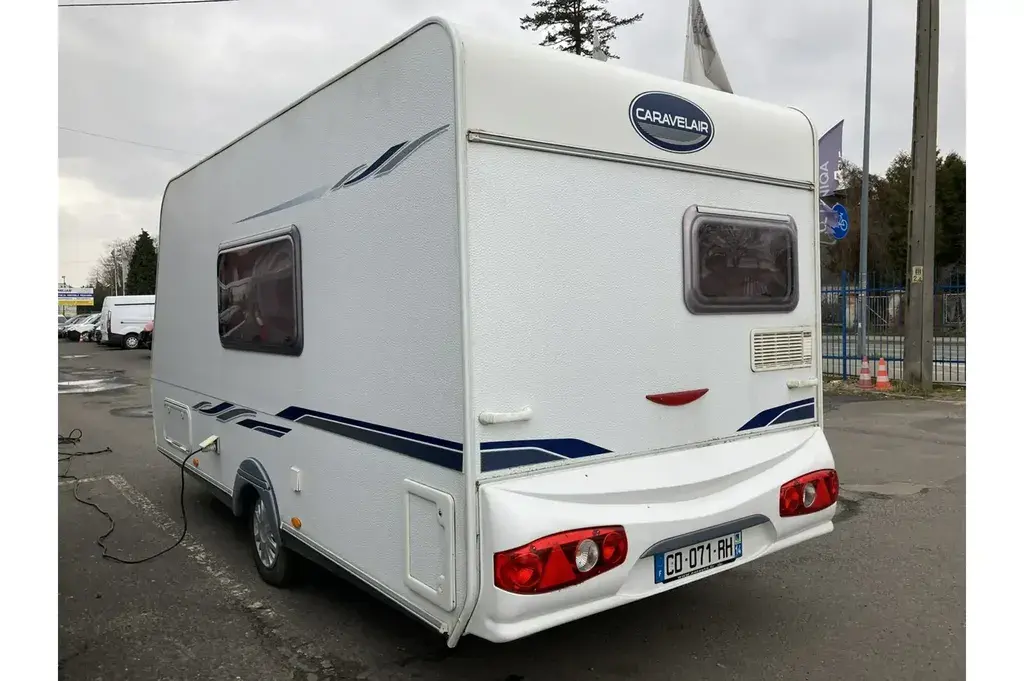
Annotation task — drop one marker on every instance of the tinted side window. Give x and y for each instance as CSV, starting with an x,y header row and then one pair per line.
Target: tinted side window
x,y
259,296
739,263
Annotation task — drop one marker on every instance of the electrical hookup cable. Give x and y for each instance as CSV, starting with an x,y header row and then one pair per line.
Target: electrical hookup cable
x,y
72,439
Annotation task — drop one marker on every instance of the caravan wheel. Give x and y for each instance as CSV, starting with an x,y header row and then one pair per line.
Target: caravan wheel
x,y
273,561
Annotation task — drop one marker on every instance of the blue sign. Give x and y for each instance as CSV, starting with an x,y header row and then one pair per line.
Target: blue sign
x,y
842,224
671,123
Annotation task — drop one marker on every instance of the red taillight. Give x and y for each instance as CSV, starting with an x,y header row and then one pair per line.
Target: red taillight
x,y
809,493
560,560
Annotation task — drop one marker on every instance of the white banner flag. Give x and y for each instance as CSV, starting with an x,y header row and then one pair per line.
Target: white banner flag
x,y
702,65
598,52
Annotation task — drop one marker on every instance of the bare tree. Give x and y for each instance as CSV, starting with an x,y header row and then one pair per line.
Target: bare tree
x,y
111,270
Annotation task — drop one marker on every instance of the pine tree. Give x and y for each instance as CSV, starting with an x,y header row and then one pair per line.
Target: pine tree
x,y
141,278
568,24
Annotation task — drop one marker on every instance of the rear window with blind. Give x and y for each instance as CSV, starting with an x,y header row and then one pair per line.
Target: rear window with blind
x,y
739,263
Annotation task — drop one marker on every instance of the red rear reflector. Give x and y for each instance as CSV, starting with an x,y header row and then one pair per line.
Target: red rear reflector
x,y
549,563
809,493
677,399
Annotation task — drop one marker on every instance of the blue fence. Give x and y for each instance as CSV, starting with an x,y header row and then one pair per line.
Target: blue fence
x,y
886,307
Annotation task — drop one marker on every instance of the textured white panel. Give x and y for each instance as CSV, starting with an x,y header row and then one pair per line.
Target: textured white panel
x,y
526,91
380,289
577,283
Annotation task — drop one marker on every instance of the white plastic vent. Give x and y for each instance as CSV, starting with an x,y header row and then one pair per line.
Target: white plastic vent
x,y
776,349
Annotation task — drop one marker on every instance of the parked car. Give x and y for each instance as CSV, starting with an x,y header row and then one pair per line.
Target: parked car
x,y
62,329
146,336
61,321
83,329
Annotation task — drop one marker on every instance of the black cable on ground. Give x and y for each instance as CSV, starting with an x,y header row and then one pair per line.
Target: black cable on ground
x,y
72,439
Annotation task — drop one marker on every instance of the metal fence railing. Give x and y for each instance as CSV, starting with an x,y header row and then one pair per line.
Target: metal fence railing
x,y
885,328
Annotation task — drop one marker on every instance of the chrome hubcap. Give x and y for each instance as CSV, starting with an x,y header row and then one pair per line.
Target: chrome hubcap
x,y
264,535
131,342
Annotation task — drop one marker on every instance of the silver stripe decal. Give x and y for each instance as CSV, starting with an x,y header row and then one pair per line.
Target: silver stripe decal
x,y
409,149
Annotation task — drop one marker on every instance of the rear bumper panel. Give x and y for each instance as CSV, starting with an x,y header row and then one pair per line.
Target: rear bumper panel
x,y
658,499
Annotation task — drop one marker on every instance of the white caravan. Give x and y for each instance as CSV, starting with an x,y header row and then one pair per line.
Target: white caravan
x,y
509,336
123,318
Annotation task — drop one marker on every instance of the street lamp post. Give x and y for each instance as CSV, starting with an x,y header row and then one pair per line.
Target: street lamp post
x,y
865,180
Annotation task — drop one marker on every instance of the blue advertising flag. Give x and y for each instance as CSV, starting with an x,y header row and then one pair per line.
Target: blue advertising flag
x,y
830,151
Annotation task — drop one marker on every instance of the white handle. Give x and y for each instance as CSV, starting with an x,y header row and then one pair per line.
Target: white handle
x,y
804,383
488,418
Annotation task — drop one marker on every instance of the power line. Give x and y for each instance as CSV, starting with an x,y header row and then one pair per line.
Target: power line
x,y
125,141
140,4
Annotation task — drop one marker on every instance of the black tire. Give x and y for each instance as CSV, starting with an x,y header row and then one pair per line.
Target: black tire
x,y
281,570
73,336
130,341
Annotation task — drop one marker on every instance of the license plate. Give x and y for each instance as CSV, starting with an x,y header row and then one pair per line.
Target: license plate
x,y
695,558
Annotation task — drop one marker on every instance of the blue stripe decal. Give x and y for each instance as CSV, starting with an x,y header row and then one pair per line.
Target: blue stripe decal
x,y
494,455
227,412
568,448
786,413
801,413
297,413
207,408
265,428
513,458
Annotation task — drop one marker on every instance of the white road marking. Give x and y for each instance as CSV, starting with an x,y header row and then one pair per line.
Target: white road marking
x,y
74,356
314,656
69,483
84,381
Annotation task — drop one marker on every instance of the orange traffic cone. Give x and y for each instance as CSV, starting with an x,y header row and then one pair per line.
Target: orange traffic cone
x,y
883,375
864,382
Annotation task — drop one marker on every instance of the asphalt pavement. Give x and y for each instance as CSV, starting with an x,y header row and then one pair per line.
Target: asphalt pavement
x,y
882,597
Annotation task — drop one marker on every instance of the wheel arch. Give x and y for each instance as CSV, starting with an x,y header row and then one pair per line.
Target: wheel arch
x,y
252,481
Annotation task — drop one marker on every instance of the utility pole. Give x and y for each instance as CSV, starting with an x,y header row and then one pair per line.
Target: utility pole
x,y
865,183
919,357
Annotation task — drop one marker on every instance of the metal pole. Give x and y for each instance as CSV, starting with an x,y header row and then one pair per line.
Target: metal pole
x,y
862,302
920,354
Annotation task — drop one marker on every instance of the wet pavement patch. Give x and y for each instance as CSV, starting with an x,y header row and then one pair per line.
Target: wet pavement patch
x,y
144,411
887,489
90,380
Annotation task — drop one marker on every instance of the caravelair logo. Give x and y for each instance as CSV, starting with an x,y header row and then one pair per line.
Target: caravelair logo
x,y
671,123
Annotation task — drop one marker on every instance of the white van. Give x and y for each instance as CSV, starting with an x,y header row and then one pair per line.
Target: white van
x,y
123,318
508,335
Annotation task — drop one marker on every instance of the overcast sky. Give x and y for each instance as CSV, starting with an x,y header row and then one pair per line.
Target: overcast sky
x,y
189,79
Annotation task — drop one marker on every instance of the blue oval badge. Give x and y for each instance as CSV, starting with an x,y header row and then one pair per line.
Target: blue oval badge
x,y
670,122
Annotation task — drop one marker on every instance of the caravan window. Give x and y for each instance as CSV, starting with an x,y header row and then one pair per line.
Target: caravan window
x,y
739,263
259,300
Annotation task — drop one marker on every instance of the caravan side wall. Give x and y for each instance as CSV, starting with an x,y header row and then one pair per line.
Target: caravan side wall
x,y
371,412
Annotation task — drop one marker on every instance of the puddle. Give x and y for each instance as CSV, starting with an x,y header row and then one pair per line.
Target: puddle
x,y
144,411
90,380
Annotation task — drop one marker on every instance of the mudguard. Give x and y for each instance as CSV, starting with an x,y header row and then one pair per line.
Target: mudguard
x,y
251,472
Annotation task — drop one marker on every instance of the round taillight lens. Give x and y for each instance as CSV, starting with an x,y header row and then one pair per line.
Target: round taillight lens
x,y
523,570
810,494
587,555
613,547
791,499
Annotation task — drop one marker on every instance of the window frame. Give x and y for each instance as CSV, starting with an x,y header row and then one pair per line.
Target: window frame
x,y
696,302
287,233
